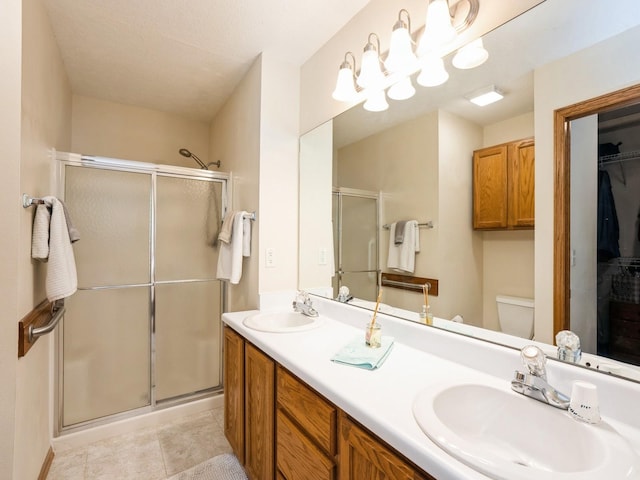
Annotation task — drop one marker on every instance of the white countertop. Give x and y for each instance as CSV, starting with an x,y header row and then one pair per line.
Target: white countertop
x,y
382,399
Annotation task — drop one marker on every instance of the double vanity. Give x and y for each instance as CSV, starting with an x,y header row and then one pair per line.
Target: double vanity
x,y
440,406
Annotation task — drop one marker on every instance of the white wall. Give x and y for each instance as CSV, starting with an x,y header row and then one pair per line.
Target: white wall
x,y
279,134
115,130
235,140
45,124
603,68
502,250
316,227
10,99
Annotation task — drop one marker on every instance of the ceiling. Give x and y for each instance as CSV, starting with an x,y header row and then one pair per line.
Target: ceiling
x,y
184,56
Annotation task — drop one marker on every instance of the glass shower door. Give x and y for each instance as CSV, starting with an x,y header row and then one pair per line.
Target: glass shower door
x,y
357,243
106,329
187,294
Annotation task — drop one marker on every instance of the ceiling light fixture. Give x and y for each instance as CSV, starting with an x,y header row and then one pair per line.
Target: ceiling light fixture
x,y
485,96
401,61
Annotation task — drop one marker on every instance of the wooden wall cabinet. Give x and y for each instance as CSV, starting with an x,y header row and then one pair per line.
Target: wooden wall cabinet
x,y
504,186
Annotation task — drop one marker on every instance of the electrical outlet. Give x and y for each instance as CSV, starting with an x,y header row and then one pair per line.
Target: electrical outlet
x,y
270,260
322,256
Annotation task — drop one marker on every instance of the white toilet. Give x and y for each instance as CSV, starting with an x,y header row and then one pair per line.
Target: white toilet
x,y
515,315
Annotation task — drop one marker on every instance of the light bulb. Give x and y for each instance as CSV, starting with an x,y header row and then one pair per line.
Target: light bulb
x,y
401,56
433,72
345,90
401,90
376,101
471,55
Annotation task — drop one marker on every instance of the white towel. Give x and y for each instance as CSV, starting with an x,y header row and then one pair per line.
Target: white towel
x,y
227,227
402,257
246,236
50,240
230,255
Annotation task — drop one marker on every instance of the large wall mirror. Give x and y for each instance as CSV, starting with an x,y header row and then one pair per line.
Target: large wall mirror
x,y
415,161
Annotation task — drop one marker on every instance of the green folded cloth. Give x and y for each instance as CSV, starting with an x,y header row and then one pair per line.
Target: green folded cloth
x,y
359,354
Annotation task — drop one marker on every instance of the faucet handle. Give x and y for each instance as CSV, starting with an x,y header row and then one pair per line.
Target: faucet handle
x,y
535,360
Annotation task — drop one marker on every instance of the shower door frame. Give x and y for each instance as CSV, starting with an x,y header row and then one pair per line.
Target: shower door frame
x,y
341,192
60,161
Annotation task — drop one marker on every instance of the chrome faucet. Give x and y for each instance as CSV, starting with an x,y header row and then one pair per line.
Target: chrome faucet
x,y
302,304
534,383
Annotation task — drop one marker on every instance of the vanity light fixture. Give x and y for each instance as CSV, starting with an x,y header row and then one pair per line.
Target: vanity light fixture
x,y
401,61
371,75
401,57
485,96
345,90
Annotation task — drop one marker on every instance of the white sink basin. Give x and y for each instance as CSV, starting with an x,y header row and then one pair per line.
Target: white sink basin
x,y
505,435
281,322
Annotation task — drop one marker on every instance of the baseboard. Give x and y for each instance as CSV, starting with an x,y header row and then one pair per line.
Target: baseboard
x,y
46,465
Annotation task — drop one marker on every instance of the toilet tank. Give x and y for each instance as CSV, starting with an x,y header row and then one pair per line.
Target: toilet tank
x,y
515,315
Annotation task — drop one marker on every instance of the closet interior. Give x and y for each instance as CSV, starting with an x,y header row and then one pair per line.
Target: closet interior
x,y
618,242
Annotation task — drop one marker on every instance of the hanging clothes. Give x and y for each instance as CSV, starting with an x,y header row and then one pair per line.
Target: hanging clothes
x,y
608,228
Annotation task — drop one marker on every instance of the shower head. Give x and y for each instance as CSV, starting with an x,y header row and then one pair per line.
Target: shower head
x,y
186,153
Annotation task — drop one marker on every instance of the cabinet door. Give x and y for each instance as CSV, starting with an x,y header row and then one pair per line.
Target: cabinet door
x,y
363,456
234,391
522,184
259,414
297,457
490,189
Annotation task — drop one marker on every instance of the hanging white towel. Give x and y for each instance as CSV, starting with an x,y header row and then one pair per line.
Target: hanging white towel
x,y
402,257
230,255
50,240
246,236
227,226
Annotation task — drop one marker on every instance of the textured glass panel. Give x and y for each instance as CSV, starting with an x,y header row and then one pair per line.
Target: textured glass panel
x,y
187,338
111,210
359,239
361,285
187,223
106,353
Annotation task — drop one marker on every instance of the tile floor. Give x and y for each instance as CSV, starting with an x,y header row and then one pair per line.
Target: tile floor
x,y
155,453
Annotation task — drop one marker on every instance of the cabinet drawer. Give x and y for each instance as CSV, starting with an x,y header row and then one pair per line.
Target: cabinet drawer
x,y
314,414
297,458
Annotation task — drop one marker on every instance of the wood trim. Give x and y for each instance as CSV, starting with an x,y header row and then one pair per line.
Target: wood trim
x,y
46,465
411,281
37,317
562,193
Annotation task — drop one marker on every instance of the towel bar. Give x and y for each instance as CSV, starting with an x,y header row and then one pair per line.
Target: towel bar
x,y
428,224
57,311
28,201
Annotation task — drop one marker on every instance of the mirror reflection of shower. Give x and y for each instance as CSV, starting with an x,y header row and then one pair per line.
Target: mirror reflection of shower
x,y
186,153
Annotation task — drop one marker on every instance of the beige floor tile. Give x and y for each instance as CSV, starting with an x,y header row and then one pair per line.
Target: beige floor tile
x,y
191,442
69,465
218,416
131,457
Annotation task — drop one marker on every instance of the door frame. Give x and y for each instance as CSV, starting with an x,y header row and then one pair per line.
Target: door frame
x,y
562,192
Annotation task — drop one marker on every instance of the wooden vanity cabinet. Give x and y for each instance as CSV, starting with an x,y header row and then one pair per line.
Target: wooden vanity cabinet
x,y
363,455
504,186
234,391
281,428
249,379
306,431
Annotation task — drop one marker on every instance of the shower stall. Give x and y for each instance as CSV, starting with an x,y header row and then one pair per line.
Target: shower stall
x,y
143,330
355,238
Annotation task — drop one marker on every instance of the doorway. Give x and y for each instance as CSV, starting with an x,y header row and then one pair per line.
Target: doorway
x,y
613,291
